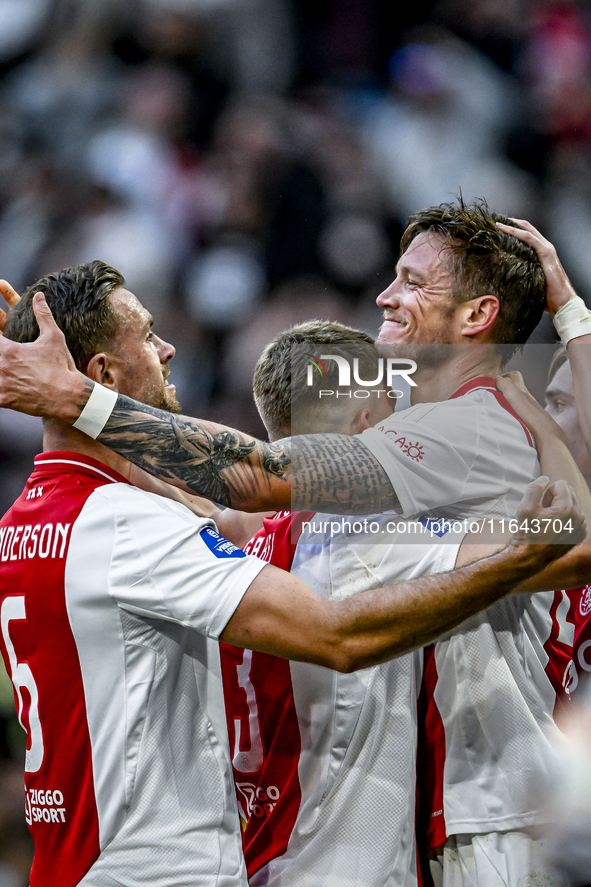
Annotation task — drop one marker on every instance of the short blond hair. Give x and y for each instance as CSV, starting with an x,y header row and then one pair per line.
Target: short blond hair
x,y
280,376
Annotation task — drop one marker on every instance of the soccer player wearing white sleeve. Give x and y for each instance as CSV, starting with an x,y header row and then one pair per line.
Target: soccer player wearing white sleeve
x,y
319,758
110,603
460,280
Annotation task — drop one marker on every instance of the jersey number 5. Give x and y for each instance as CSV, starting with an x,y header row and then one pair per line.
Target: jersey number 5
x,y
12,610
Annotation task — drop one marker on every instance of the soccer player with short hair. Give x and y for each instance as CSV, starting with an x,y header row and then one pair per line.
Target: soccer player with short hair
x,y
319,758
111,600
457,453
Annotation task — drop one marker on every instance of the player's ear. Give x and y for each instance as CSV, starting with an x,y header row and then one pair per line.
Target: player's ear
x,y
101,369
360,421
478,315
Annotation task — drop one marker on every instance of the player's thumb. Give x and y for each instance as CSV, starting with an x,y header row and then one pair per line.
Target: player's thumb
x,y
42,311
508,381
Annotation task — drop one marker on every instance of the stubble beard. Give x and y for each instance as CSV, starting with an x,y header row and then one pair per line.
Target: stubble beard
x,y
433,353
168,403
158,397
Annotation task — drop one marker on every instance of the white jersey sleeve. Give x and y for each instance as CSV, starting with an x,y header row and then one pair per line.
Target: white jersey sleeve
x,y
106,598
464,453
177,568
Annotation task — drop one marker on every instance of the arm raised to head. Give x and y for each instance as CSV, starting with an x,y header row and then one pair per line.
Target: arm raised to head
x,y
331,472
559,292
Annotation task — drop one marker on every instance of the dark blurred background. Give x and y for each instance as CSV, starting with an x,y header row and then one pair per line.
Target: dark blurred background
x,y
247,164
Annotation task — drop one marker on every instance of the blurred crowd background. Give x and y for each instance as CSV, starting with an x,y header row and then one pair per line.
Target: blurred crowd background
x,y
247,164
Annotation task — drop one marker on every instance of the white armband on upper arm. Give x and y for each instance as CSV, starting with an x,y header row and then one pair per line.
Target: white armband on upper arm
x,y
97,411
572,320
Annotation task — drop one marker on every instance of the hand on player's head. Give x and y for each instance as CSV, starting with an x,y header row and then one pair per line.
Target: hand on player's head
x,y
33,374
549,514
511,380
559,289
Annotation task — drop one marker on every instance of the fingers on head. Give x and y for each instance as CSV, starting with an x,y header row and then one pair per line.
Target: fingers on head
x,y
42,309
9,294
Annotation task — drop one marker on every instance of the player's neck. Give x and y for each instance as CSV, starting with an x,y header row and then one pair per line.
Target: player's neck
x,y
63,438
438,383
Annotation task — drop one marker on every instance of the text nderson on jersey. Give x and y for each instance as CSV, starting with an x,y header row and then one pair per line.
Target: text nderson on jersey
x,y
472,457
323,762
108,599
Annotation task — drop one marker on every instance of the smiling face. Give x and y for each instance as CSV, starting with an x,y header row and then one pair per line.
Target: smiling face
x,y
560,403
139,359
418,308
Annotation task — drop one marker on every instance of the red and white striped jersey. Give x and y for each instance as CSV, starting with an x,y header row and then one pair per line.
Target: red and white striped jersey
x,y
109,597
487,728
492,682
262,720
467,457
325,762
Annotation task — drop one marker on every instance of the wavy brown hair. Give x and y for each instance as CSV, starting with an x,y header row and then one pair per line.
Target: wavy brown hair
x,y
484,261
78,300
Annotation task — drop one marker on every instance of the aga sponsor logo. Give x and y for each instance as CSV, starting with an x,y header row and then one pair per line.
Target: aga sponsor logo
x,y
414,450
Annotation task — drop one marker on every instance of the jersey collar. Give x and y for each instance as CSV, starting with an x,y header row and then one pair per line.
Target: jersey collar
x,y
78,462
485,382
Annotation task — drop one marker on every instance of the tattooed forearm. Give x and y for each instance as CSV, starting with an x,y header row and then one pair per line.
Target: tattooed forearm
x,y
210,460
332,472
86,393
277,458
337,474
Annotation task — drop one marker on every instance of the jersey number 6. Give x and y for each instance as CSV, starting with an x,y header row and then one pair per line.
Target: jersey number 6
x,y
13,609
